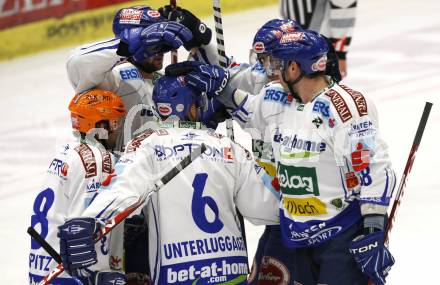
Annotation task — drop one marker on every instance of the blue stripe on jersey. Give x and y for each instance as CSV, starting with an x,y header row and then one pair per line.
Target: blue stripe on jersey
x,y
157,246
103,210
100,43
102,48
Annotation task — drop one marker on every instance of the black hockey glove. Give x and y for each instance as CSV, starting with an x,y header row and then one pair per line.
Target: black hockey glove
x,y
201,33
133,227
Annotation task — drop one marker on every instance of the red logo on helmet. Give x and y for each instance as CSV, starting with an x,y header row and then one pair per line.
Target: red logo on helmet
x,y
259,47
292,37
164,109
153,13
320,64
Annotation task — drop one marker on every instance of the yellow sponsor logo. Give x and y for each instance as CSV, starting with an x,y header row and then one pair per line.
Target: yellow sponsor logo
x,y
305,206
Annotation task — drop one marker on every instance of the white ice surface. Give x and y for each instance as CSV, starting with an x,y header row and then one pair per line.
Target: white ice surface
x,y
394,58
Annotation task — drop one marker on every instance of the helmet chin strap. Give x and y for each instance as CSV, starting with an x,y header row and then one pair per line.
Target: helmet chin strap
x,y
291,83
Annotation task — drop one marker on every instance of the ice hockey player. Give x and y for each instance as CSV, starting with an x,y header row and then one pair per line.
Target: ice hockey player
x,y
73,179
194,234
333,169
143,37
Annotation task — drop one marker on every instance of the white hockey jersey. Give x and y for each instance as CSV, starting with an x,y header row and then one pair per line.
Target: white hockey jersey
x,y
98,66
73,179
332,165
194,232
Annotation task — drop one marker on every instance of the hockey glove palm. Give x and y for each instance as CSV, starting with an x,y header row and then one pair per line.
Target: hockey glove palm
x,y
202,34
204,78
77,248
155,39
372,257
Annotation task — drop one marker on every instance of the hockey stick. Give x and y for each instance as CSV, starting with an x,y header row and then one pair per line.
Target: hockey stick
x,y
408,167
173,3
44,244
223,61
110,224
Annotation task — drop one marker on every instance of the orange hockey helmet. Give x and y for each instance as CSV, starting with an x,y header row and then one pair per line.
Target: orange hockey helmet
x,y
93,106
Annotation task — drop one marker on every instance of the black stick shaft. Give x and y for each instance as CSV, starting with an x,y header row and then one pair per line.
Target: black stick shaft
x,y
44,244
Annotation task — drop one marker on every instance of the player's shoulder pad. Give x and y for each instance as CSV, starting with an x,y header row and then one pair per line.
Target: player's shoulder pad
x,y
343,105
88,159
126,71
240,152
61,162
147,135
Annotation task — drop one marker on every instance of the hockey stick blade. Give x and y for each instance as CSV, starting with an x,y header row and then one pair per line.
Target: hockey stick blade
x,y
110,224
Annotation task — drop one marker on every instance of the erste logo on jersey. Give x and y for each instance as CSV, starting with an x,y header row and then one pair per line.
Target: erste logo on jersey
x,y
278,96
322,107
130,73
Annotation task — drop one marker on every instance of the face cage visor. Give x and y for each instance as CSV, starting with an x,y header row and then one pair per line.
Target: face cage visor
x,y
263,59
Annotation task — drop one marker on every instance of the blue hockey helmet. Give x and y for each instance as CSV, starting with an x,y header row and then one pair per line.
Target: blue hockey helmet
x,y
308,48
136,16
173,97
268,35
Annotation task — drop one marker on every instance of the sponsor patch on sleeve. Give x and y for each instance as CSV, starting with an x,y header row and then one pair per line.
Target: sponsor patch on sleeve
x,y
340,105
88,159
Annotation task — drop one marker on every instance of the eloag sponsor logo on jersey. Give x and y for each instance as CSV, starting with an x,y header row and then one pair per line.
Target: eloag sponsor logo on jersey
x,y
304,206
297,180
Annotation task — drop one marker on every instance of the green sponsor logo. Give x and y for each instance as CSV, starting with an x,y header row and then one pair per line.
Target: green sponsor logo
x,y
297,180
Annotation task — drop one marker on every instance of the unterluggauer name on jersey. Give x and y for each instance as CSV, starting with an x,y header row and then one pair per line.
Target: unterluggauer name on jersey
x,y
203,246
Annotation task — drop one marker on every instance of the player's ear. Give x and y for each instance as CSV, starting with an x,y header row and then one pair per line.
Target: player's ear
x,y
294,67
